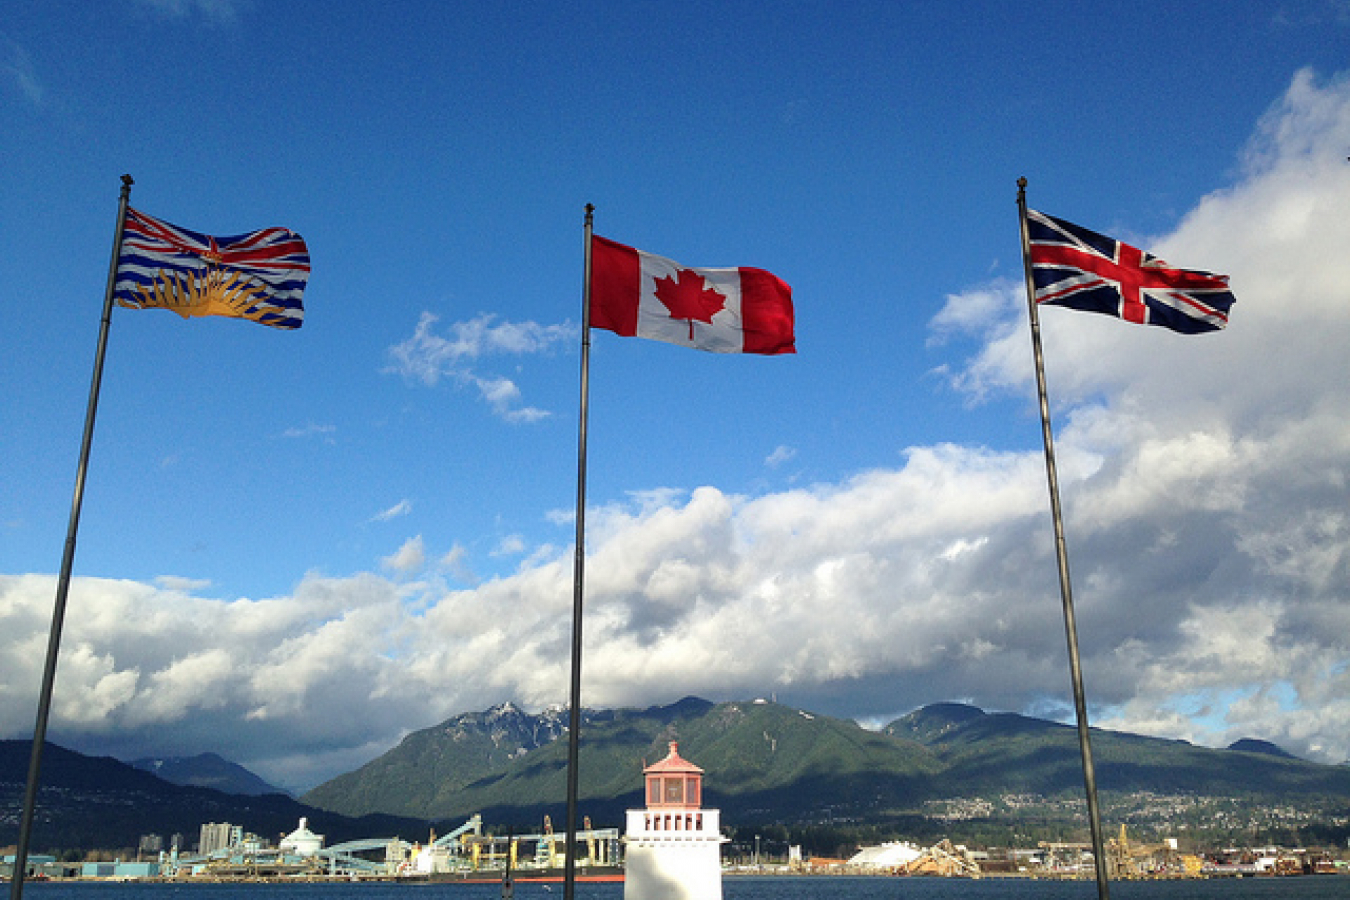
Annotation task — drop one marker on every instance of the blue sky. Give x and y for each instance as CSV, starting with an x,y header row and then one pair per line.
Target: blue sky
x,y
298,546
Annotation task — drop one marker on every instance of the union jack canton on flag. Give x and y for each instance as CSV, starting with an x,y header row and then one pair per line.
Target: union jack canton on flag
x,y
1074,267
259,276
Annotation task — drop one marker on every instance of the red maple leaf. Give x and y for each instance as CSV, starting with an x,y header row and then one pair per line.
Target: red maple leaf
x,y
690,298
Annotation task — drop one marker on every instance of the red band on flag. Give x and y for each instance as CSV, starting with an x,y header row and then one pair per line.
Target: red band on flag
x,y
766,308
615,273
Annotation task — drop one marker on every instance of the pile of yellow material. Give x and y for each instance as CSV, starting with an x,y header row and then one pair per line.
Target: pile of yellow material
x,y
942,860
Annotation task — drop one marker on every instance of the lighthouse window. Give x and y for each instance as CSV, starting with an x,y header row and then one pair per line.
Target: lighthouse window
x,y
653,791
674,790
691,792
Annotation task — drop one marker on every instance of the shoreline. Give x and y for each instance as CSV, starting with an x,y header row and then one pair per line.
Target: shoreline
x,y
550,878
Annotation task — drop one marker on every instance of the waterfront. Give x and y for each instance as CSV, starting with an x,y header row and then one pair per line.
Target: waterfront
x,y
1316,887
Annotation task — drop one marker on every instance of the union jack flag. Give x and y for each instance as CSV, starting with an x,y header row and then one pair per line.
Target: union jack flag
x,y
259,276
1074,267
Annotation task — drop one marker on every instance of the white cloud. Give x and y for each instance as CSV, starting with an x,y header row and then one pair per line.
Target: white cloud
x,y
159,671
214,10
995,315
184,685
511,545
971,311
408,558
185,585
428,357
781,454
1334,13
310,429
456,562
17,67
503,396
401,508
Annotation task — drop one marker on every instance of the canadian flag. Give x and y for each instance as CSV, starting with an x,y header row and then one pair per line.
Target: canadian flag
x,y
639,294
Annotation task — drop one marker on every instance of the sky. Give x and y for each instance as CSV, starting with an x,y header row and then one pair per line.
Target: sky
x,y
296,547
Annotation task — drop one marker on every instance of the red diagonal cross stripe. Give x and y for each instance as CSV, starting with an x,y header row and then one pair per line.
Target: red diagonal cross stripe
x,y
154,229
251,250
1129,273
257,251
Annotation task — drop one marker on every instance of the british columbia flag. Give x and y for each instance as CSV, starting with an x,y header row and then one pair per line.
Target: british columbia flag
x,y
259,276
1074,267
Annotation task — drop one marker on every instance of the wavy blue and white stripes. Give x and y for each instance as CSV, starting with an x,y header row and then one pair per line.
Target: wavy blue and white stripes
x,y
260,275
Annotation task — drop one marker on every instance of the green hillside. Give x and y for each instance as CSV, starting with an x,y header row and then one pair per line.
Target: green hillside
x,y
762,759
430,767
983,752
942,767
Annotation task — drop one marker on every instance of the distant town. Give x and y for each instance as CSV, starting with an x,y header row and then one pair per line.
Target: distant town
x,y
228,852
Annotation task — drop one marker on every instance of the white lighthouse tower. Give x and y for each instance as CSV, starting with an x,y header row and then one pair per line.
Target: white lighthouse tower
x,y
673,848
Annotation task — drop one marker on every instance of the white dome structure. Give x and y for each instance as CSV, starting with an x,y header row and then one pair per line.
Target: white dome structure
x,y
302,841
886,856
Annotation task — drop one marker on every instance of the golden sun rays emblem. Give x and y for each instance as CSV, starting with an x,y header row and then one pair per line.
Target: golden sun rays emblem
x,y
216,291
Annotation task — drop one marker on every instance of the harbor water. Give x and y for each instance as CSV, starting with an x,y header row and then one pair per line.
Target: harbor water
x,y
1314,887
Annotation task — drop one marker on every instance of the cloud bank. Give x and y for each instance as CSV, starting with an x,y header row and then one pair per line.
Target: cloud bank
x,y
1207,512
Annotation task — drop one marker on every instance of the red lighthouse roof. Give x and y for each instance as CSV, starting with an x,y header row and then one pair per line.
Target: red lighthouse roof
x,y
672,763
674,782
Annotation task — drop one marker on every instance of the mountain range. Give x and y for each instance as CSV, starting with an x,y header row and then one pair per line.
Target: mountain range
x,y
944,770
767,762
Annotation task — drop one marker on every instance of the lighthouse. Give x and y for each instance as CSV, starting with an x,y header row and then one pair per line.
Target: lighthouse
x,y
673,847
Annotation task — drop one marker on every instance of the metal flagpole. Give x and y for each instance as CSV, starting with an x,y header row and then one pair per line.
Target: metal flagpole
x,y
1061,550
67,562
579,577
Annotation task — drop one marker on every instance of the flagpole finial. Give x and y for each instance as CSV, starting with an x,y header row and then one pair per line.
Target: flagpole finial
x,y
1022,182
128,180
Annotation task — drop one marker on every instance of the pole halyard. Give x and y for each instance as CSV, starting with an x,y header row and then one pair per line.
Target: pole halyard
x,y
579,577
67,563
1062,553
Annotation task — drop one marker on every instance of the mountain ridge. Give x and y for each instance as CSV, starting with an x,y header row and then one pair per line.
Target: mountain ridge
x,y
943,770
87,802
207,770
769,762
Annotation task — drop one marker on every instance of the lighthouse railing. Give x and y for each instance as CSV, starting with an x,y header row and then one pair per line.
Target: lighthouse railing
x,y
669,824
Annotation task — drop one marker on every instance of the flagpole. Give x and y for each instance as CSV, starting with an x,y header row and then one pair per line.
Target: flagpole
x,y
1062,552
579,576
67,563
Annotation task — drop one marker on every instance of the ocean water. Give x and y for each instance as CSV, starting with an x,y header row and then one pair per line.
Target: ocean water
x,y
1315,887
